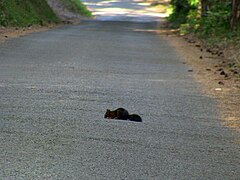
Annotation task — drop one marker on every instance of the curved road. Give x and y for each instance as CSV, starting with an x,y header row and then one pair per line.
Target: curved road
x,y
55,87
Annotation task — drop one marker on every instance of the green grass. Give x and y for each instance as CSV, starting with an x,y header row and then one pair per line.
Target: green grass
x,y
24,13
77,6
29,12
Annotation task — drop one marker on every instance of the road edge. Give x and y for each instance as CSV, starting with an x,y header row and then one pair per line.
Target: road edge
x,y
214,79
8,33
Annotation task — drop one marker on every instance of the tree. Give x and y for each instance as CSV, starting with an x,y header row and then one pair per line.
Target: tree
x,y
204,7
235,18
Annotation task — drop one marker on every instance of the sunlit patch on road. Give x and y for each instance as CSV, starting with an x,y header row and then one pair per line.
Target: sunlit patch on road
x,y
125,10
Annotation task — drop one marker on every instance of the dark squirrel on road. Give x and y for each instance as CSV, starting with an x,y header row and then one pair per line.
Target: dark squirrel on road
x,y
122,114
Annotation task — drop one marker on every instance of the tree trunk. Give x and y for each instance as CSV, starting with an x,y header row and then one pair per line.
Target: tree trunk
x,y
204,7
235,14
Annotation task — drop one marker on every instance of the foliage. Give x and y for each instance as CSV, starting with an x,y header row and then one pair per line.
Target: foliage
x,y
28,12
214,25
24,13
217,20
181,9
77,6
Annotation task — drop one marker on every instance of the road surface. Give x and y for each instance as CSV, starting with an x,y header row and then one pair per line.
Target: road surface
x,y
55,87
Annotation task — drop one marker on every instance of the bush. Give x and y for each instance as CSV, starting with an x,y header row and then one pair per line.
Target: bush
x,y
181,9
217,20
213,26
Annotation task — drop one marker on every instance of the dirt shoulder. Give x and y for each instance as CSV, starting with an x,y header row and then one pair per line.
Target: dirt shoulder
x,y
7,33
213,72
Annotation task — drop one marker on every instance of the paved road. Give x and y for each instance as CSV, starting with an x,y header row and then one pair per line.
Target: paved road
x,y
124,10
55,87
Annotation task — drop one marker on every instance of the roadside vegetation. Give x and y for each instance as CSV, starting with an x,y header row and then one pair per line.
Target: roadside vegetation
x,y
25,13
211,44
212,19
76,6
29,12
216,23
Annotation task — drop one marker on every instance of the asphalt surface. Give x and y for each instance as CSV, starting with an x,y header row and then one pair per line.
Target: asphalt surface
x,y
55,87
124,10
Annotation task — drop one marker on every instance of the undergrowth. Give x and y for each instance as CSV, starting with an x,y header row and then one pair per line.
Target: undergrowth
x,y
77,6
25,13
214,27
29,12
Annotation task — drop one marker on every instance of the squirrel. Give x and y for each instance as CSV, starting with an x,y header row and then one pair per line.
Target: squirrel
x,y
122,114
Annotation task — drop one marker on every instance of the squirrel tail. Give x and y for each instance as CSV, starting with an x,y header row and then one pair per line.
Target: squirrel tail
x,y
135,117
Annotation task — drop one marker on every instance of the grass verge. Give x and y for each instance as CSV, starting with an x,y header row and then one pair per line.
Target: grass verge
x,y
26,13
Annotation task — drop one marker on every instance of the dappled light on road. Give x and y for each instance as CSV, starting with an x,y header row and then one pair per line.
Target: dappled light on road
x,y
124,10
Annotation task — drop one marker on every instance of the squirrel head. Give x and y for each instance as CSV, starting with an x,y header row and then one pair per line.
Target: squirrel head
x,y
107,114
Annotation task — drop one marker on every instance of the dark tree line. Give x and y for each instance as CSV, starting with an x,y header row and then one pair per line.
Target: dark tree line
x,y
225,13
235,16
235,12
